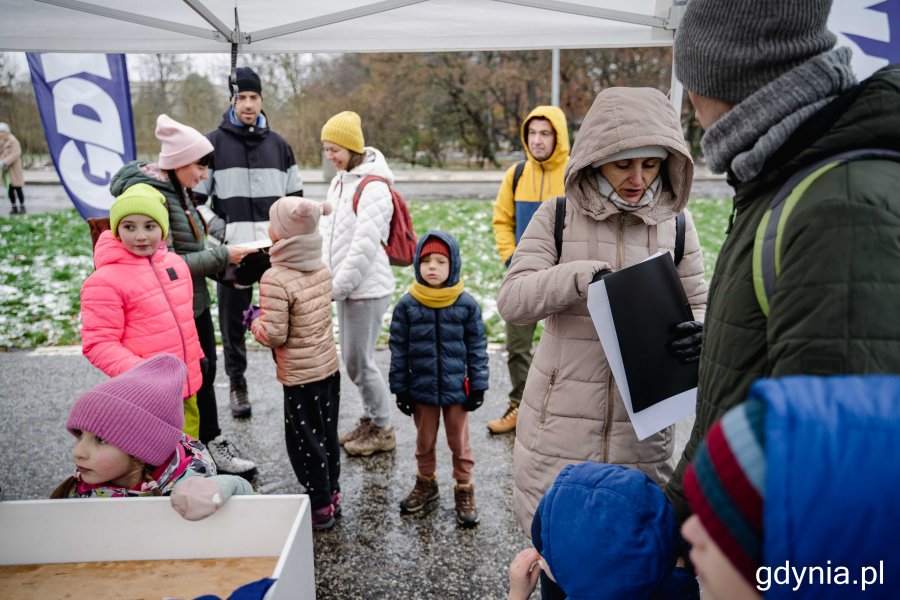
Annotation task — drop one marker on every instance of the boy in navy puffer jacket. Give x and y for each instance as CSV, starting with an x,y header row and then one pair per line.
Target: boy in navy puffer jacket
x,y
439,365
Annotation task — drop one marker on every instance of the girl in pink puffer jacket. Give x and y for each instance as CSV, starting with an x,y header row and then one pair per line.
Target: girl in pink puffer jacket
x,y
139,301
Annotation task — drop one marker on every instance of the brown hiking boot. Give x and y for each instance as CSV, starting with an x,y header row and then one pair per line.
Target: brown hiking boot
x,y
363,424
506,423
425,491
466,513
238,400
374,439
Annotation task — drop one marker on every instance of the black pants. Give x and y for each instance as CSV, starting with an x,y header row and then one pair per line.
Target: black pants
x,y
206,395
16,190
310,431
232,303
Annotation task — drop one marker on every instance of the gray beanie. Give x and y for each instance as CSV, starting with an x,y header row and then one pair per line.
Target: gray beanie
x,y
4,128
728,49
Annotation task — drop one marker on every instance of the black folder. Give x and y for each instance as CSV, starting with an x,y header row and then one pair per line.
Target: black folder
x,y
646,300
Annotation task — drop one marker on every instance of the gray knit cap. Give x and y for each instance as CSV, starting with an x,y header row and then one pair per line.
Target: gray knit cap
x,y
728,49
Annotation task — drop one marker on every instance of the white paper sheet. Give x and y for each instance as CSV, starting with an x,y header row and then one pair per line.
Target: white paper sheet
x,y
660,415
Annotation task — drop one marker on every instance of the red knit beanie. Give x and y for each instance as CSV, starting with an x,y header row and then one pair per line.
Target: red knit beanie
x,y
725,485
434,246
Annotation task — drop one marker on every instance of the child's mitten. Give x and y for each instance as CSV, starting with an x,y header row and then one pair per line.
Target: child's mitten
x,y
474,401
250,315
196,498
405,403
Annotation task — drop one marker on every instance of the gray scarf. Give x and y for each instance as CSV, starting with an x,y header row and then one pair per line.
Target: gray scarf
x,y
753,130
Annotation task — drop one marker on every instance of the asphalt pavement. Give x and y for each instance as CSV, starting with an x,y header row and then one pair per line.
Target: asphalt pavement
x,y
373,551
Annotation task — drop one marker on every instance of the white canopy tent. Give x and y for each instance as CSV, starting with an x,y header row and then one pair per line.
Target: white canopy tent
x,y
300,26
192,26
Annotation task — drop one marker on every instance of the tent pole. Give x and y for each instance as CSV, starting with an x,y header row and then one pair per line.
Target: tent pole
x,y
554,94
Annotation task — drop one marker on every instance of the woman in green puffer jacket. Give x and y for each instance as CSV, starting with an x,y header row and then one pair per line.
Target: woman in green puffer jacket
x,y
184,158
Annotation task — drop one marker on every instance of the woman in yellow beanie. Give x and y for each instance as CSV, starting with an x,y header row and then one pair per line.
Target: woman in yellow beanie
x,y
353,249
184,158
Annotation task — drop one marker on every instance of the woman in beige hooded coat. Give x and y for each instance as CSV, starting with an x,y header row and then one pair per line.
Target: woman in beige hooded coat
x,y
628,177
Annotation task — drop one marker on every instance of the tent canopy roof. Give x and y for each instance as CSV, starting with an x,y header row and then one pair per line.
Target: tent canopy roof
x,y
298,26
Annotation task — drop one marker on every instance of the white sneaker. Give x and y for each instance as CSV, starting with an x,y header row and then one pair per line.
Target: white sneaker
x,y
228,459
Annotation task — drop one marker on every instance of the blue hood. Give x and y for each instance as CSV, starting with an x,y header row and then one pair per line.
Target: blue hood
x,y
455,260
606,531
832,446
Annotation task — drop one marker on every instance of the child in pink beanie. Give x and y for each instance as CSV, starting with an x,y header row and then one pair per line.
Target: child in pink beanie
x,y
130,443
295,320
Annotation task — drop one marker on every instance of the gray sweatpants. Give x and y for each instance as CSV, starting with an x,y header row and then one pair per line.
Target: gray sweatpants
x,y
359,325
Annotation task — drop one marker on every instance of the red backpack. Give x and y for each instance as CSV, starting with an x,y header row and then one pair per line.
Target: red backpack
x,y
401,244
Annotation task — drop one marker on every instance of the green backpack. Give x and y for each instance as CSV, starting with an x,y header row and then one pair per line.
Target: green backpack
x,y
767,244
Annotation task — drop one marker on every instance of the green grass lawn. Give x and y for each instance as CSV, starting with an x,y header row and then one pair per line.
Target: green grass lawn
x,y
45,258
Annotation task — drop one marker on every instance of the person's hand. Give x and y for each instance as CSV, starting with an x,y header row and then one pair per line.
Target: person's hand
x,y
474,401
250,315
237,253
599,275
196,498
688,341
405,403
524,572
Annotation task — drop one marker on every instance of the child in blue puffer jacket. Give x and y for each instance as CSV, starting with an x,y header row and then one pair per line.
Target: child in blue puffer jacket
x,y
439,365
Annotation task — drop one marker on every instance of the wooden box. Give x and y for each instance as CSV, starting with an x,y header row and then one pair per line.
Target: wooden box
x,y
250,537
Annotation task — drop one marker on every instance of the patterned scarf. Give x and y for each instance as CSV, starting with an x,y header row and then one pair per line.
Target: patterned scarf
x,y
190,458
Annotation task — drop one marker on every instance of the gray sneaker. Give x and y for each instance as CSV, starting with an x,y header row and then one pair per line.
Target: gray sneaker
x,y
238,400
228,459
375,439
364,424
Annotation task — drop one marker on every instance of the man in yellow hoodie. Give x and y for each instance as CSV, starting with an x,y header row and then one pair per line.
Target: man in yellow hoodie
x,y
545,136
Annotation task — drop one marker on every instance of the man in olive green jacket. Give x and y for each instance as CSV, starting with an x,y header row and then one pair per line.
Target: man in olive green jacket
x,y
769,111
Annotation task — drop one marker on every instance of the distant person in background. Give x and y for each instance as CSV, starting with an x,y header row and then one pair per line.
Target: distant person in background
x,y
770,109
11,169
545,137
184,157
353,248
251,168
629,176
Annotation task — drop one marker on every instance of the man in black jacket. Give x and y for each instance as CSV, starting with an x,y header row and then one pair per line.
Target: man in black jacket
x,y
775,97
252,167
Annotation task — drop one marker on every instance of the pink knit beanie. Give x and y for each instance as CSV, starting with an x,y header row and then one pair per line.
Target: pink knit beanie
x,y
181,145
291,215
140,411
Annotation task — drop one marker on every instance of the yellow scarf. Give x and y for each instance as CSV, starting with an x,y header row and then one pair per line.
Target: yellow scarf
x,y
436,297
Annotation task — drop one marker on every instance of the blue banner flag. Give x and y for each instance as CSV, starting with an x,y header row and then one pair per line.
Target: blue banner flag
x,y
85,105
871,28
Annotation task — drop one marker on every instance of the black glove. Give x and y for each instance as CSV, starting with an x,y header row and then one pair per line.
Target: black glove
x,y
688,340
405,403
474,401
599,275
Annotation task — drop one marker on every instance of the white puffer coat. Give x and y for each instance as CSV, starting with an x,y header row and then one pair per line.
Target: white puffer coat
x,y
571,410
353,241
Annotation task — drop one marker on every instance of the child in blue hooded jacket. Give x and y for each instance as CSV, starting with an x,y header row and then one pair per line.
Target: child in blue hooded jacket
x,y
602,531
439,366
